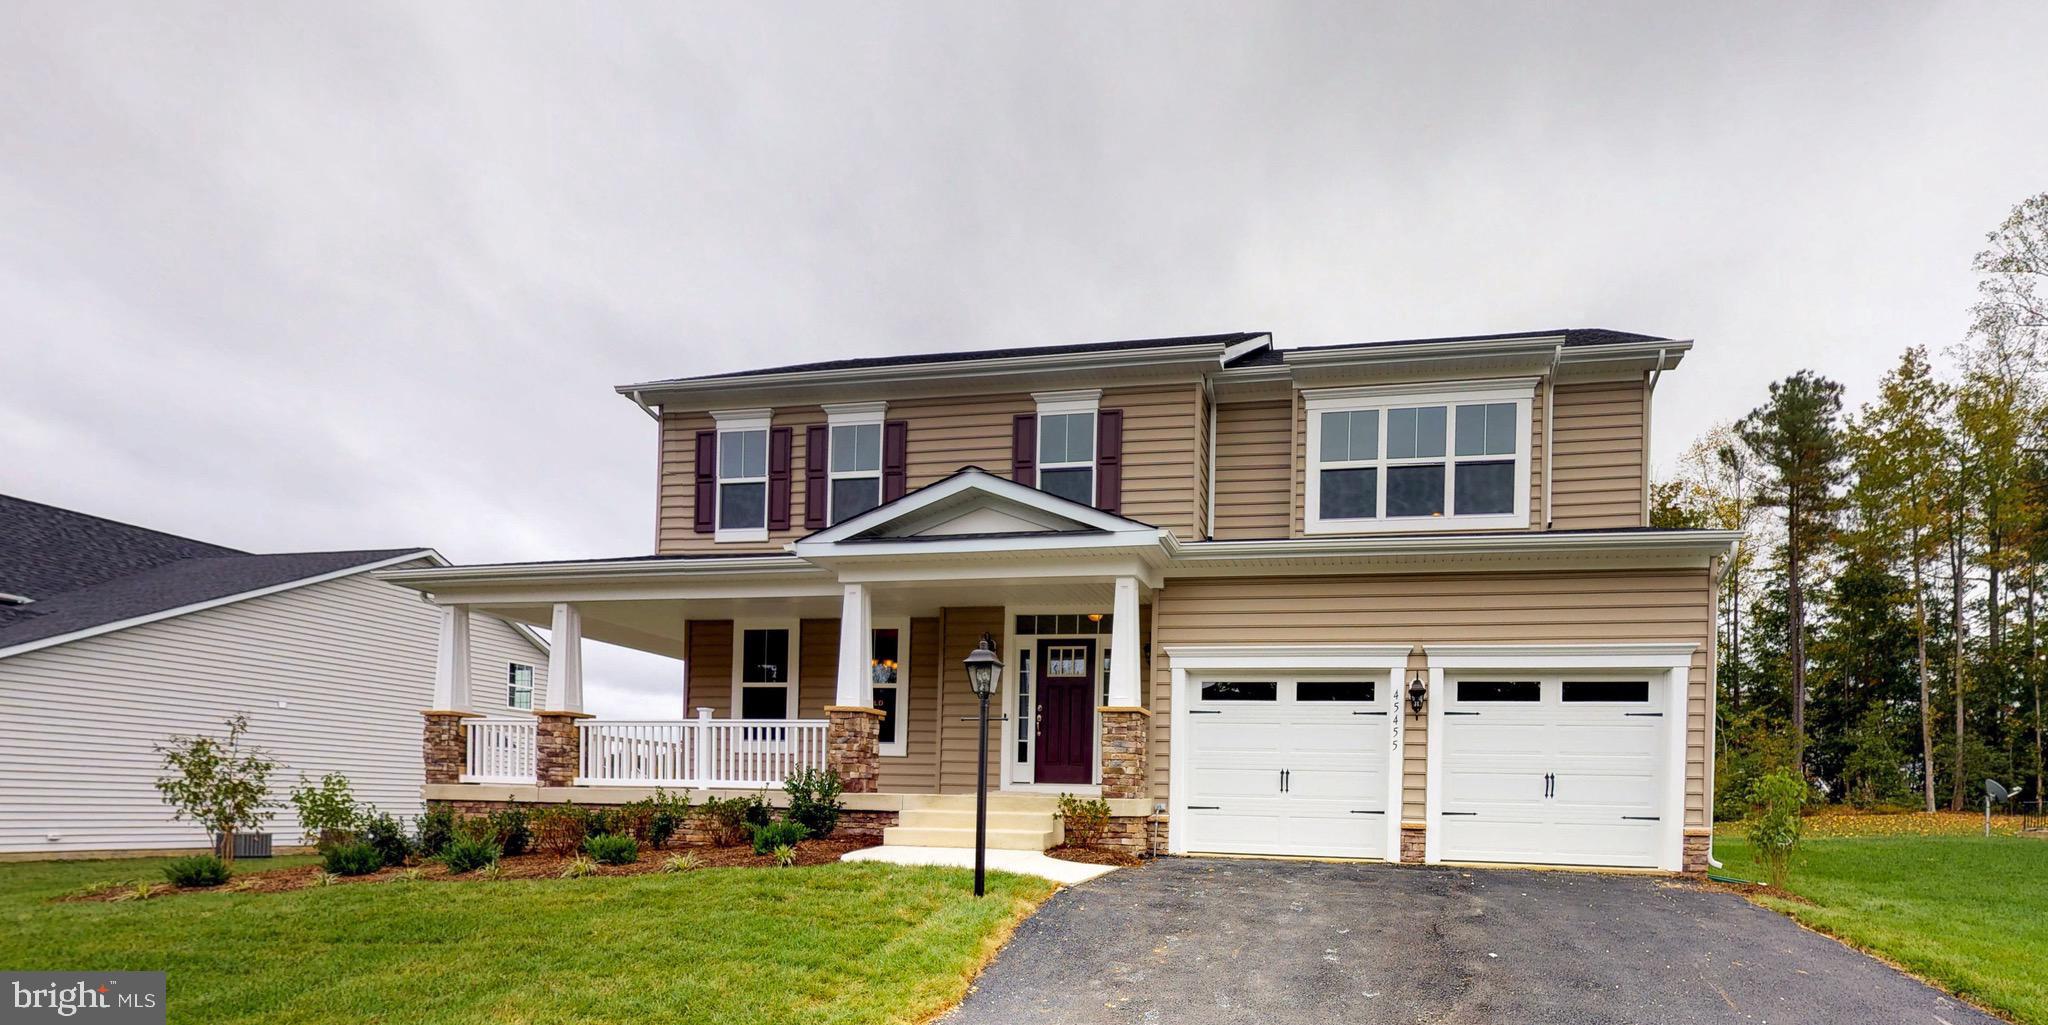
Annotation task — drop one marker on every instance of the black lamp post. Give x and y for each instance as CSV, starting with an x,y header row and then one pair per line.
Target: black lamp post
x,y
984,675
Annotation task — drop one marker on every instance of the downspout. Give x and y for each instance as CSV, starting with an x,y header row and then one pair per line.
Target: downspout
x,y
1549,419
644,407
1209,396
1649,392
1716,567
659,443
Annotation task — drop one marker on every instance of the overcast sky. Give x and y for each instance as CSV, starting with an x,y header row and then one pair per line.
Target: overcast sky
x,y
355,275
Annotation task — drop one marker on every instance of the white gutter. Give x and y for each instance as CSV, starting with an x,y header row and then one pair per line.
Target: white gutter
x,y
644,407
680,566
1705,541
967,365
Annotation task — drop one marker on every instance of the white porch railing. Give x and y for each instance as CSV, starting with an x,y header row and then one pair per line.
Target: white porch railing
x,y
500,751
701,752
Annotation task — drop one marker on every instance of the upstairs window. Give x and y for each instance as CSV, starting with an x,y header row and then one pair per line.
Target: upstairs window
x,y
1401,459
743,478
856,469
1066,456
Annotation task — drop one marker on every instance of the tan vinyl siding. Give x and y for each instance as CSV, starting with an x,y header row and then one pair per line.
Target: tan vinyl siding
x,y
1661,605
947,434
709,667
1599,479
1253,448
960,630
333,677
1205,413
916,769
1537,454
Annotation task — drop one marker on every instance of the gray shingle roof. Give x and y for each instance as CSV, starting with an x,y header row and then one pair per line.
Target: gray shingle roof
x,y
82,571
910,359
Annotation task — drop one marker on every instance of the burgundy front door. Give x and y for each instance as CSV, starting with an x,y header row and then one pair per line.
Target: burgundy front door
x,y
1066,712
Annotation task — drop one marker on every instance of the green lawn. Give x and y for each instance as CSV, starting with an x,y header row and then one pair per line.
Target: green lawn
x,y
837,943
1968,913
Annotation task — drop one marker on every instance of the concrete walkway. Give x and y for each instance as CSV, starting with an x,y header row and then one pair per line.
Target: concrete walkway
x,y
1030,863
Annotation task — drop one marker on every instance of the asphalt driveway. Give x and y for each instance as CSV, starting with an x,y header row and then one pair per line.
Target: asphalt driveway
x,y
1189,940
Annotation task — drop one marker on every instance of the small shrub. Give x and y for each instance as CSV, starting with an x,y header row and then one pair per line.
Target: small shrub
x,y
355,858
218,784
776,834
494,870
814,800
468,853
670,812
198,870
559,829
579,867
385,834
608,849
684,862
1086,820
1776,800
727,818
435,830
328,810
785,855
137,891
325,878
513,830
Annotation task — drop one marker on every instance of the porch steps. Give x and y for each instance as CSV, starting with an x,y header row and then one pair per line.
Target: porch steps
x,y
1016,822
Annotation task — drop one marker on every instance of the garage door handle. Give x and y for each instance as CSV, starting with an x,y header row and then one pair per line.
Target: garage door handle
x,y
1367,811
1205,711
1644,818
1204,807
1461,713
1368,713
1457,813
1645,715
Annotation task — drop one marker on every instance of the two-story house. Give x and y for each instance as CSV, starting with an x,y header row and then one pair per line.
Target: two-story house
x,y
1390,600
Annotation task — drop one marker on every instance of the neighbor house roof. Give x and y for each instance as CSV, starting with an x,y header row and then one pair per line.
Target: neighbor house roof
x,y
82,574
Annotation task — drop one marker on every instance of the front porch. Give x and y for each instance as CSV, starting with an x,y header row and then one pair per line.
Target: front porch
x,y
846,654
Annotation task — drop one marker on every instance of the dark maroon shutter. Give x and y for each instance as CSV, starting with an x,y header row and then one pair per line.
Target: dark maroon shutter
x,y
1024,449
1109,460
895,459
816,459
780,440
707,481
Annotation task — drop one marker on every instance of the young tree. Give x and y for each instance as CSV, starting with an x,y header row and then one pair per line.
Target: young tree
x,y
1795,439
217,784
1895,447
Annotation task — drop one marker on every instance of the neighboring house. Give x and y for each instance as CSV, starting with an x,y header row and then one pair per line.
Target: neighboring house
x,y
114,638
1390,600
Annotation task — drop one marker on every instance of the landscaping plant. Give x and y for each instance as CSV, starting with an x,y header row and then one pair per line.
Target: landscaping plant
x,y
217,784
328,810
385,834
727,818
469,853
814,800
777,834
1086,820
785,855
612,850
198,870
434,831
579,867
685,862
352,858
1776,800
670,812
559,829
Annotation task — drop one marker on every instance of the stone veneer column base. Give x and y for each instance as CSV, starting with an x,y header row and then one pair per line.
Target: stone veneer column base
x,y
557,748
444,745
1699,846
1126,737
1414,843
853,746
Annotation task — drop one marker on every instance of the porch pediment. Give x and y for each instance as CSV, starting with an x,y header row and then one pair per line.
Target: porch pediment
x,y
972,504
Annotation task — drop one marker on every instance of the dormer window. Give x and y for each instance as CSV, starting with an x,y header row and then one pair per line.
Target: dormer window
x,y
1406,458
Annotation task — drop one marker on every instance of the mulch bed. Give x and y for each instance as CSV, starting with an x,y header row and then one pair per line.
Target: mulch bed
x,y
525,866
1096,855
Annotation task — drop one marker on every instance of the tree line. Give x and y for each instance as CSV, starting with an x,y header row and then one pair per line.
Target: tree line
x,y
1880,629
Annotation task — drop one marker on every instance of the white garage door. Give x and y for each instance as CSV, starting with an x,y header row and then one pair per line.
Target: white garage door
x,y
1282,764
1548,769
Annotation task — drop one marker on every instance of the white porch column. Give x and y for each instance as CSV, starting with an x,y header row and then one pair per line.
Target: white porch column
x,y
856,650
565,660
1123,646
451,662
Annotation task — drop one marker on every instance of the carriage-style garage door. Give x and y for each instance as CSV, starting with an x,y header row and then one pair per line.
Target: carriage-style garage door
x,y
1287,764
1542,768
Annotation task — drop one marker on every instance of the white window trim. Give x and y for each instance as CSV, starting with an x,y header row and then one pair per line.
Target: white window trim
x,y
1381,398
511,692
739,647
735,421
1061,403
901,624
853,414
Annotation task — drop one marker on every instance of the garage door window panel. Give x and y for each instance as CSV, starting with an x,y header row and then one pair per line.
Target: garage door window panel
x,y
1500,690
1334,690
1241,690
1629,691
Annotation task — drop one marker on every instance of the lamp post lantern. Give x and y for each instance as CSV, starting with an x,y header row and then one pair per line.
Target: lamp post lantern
x,y
984,675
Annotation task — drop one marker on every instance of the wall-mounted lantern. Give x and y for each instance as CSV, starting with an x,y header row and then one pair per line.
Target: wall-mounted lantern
x,y
1418,692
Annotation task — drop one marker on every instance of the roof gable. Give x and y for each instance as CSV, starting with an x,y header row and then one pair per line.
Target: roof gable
x,y
972,503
